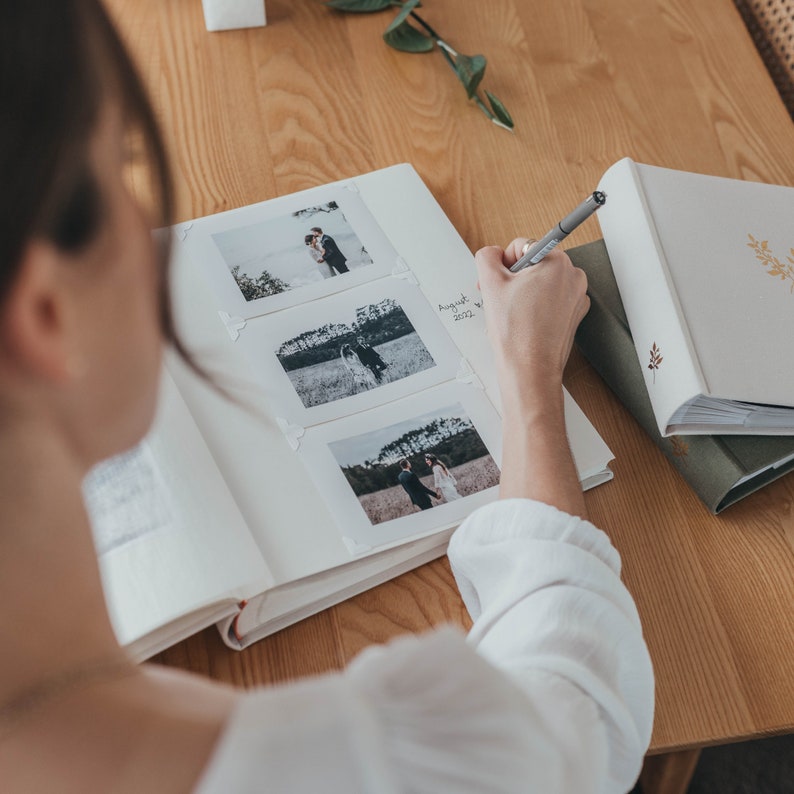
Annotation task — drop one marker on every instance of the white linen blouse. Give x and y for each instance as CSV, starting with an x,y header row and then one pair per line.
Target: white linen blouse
x,y
552,690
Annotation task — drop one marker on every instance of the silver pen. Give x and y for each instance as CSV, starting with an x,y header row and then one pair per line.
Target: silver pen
x,y
536,251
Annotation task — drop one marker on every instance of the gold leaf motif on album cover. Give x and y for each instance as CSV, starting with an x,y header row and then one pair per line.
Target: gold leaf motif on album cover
x,y
655,360
774,267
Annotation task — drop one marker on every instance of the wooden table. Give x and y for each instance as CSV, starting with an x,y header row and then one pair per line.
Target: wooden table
x,y
317,96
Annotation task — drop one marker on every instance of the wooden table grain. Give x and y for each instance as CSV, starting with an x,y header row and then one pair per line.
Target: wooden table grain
x,y
317,96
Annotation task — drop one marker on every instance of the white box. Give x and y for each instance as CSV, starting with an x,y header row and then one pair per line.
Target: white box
x,y
230,14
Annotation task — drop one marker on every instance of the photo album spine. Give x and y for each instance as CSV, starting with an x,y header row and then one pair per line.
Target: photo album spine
x,y
664,348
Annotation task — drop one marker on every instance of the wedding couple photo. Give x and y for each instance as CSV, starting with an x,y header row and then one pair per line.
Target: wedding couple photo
x,y
291,251
416,465
357,349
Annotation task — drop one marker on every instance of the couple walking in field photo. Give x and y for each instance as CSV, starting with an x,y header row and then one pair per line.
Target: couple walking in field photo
x,y
364,364
443,481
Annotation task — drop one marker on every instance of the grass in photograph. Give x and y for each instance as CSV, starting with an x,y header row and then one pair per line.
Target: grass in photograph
x,y
327,381
473,476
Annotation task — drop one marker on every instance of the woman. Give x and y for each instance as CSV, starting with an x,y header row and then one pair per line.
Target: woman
x,y
551,691
317,254
362,377
442,479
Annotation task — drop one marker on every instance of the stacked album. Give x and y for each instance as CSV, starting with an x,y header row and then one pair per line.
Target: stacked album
x,y
692,304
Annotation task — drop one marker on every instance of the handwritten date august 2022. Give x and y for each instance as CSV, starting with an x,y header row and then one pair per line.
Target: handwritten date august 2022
x,y
457,307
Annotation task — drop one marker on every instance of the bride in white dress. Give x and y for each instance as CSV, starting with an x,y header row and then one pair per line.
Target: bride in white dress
x,y
442,478
362,376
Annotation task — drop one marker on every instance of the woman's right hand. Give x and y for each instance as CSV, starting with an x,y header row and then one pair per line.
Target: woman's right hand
x,y
531,315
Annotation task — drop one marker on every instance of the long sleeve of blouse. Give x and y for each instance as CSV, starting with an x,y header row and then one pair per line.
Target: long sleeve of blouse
x,y
552,690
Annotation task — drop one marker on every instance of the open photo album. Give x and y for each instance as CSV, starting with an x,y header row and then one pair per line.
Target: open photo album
x,y
348,420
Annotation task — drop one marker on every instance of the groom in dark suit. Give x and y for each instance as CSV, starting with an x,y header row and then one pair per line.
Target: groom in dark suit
x,y
332,256
420,494
370,358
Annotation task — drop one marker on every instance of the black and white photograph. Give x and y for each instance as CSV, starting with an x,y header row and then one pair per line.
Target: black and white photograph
x,y
377,346
423,463
350,351
269,256
291,251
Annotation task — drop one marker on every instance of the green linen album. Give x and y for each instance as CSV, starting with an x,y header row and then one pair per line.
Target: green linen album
x,y
721,469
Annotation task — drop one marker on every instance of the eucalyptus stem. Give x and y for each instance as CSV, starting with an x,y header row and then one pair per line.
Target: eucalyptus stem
x,y
448,58
421,37
442,45
484,108
426,26
448,52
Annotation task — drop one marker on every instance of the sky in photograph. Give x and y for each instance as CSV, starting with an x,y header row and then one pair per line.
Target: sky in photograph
x,y
341,312
357,449
277,245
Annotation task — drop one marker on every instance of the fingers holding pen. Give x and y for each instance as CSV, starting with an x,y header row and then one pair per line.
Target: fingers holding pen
x,y
493,267
493,260
532,314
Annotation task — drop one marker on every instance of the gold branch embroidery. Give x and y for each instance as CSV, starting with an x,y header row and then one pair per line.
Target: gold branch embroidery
x,y
774,267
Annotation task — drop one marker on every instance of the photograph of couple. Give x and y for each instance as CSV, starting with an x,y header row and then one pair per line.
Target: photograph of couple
x,y
416,465
357,349
270,257
444,483
325,253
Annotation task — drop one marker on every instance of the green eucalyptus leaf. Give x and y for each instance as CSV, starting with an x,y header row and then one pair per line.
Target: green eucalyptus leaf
x,y
359,6
407,38
500,111
470,70
403,15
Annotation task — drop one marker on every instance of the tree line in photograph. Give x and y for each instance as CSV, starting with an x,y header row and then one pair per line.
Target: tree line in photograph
x,y
377,323
309,212
454,441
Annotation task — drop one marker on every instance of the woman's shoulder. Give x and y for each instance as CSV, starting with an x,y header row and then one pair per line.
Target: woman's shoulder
x,y
421,713
124,733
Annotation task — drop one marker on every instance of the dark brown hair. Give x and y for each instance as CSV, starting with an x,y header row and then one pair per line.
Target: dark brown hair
x,y
60,63
434,460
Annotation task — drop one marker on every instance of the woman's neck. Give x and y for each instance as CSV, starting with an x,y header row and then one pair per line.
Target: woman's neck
x,y
52,607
